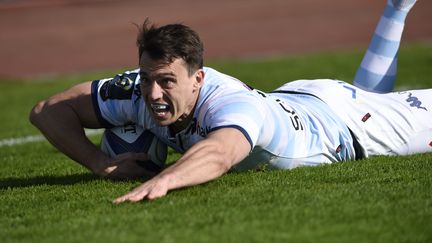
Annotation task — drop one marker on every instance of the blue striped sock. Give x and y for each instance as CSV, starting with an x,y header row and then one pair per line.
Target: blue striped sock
x,y
377,71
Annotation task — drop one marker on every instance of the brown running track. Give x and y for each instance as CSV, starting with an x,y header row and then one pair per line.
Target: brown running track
x,y
46,37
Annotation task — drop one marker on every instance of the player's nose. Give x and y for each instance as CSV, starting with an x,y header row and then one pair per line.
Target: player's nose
x,y
155,91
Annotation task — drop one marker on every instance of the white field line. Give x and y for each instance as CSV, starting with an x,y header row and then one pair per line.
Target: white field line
x,y
38,138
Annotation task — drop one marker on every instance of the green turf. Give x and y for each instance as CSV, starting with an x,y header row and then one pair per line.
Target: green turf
x,y
45,197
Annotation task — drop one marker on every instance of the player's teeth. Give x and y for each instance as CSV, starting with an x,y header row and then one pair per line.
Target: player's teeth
x,y
159,107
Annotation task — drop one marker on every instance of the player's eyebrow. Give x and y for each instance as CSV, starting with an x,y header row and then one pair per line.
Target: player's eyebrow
x,y
165,74
157,75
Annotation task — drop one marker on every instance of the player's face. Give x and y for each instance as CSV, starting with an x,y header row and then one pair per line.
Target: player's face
x,y
169,91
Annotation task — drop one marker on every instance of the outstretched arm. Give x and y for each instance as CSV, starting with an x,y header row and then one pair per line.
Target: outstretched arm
x,y
203,162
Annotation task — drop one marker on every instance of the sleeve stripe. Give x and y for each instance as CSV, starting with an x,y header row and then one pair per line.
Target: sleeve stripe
x,y
238,128
94,93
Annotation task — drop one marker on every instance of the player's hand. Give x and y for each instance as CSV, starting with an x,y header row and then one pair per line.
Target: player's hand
x,y
124,166
152,189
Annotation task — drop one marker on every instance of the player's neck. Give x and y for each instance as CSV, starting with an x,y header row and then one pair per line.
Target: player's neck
x,y
181,124
183,121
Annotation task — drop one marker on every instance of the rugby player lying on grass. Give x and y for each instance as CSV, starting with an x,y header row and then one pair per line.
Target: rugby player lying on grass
x,y
219,123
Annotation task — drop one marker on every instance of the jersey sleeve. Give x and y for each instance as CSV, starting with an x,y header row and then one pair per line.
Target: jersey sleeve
x,y
115,99
243,112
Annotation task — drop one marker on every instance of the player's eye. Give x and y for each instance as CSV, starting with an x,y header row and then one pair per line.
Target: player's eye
x,y
145,80
167,82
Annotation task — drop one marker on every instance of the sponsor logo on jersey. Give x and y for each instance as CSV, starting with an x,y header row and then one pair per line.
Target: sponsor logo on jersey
x,y
124,83
414,101
120,87
195,127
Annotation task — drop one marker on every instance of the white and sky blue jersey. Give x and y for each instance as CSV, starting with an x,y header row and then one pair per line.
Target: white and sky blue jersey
x,y
285,129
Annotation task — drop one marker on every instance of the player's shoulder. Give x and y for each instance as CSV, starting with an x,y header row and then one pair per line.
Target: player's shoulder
x,y
224,93
219,82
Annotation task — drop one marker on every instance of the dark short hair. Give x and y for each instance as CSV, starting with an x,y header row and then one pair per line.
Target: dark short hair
x,y
170,42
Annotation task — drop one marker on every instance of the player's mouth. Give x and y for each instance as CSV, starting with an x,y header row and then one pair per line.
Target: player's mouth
x,y
160,110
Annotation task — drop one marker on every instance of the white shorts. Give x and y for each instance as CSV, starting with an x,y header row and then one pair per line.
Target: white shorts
x,y
397,123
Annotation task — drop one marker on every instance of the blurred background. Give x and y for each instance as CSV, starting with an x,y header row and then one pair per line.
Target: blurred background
x,y
49,37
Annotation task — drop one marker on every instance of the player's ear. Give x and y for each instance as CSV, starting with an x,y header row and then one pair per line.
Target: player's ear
x,y
199,78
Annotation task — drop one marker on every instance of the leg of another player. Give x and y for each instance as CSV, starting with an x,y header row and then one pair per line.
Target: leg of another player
x,y
377,71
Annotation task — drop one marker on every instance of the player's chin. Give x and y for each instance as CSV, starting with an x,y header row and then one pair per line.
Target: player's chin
x,y
164,120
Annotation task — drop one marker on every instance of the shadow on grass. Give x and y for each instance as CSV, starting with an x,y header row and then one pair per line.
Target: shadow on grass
x,y
6,183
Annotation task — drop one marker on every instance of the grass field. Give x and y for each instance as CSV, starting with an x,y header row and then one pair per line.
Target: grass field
x,y
46,197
